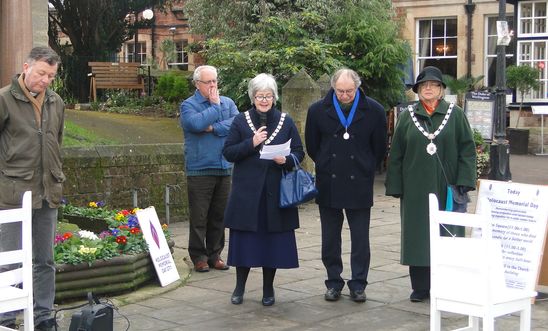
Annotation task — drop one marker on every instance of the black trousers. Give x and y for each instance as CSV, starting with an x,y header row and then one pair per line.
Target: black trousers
x,y
420,278
360,255
207,198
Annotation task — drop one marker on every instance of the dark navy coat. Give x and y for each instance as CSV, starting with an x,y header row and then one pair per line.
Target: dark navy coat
x,y
345,169
252,175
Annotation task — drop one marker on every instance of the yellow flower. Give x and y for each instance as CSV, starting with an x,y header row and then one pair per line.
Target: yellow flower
x,y
134,211
119,217
92,204
164,226
87,250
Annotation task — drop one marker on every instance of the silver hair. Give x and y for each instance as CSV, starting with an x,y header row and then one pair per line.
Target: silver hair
x,y
45,54
347,72
197,75
262,82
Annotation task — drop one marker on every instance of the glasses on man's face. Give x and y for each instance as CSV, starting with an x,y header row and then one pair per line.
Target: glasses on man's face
x,y
429,84
343,92
264,97
207,82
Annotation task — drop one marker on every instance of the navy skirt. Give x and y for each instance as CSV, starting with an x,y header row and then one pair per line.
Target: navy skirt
x,y
262,249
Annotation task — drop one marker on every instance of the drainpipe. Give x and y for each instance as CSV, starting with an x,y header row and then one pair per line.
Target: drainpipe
x,y
469,8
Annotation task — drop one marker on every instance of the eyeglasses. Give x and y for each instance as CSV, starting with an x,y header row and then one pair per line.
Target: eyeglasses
x,y
264,97
207,82
429,84
347,92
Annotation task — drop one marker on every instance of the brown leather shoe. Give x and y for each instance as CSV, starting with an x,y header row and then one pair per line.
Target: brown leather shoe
x,y
201,266
219,265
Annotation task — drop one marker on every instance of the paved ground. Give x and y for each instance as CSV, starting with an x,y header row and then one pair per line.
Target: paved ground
x,y
202,300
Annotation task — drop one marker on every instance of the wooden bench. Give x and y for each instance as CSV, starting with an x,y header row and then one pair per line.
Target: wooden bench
x,y
112,75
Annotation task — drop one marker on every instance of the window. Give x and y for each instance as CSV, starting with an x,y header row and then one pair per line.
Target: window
x,y
533,53
437,44
181,56
532,18
141,52
491,49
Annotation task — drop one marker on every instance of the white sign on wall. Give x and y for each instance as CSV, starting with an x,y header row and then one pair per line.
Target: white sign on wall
x,y
519,212
157,246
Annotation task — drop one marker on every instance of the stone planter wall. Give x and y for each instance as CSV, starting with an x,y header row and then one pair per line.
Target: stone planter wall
x,y
115,173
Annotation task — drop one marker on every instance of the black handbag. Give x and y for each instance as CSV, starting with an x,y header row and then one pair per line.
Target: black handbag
x,y
297,186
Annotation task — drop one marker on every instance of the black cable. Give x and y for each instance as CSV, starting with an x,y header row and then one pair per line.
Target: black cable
x,y
113,306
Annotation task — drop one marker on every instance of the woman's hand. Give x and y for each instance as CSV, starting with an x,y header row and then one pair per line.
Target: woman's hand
x,y
279,159
259,136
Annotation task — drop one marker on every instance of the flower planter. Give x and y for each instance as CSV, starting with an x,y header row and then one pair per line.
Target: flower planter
x,y
96,225
117,275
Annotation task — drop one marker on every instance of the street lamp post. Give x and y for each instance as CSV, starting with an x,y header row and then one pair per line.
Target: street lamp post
x,y
148,14
500,149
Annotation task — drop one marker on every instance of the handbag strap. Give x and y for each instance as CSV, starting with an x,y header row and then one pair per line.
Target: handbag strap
x,y
295,161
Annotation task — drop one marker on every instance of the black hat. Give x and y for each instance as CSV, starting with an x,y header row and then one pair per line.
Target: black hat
x,y
428,73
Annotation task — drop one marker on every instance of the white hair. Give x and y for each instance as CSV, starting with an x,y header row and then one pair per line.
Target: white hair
x,y
262,82
197,75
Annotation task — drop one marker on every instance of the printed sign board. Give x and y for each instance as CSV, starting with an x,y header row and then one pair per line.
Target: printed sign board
x,y
479,107
519,214
157,246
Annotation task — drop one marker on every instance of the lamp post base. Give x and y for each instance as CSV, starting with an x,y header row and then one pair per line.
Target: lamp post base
x,y
499,159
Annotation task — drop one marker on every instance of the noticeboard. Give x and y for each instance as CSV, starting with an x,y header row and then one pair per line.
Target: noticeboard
x,y
519,215
479,107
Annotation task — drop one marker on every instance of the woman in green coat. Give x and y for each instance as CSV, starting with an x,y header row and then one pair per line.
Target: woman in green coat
x,y
432,147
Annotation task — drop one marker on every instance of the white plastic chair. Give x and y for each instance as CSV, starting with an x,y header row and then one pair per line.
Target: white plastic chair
x,y
12,296
467,275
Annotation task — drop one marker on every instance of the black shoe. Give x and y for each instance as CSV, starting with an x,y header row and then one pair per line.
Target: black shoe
x,y
268,301
419,295
358,296
46,325
332,294
237,299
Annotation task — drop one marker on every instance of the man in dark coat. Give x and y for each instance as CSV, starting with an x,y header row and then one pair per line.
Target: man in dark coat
x,y
345,135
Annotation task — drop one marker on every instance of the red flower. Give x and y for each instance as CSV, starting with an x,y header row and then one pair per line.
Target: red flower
x,y
121,240
134,230
125,212
67,235
123,227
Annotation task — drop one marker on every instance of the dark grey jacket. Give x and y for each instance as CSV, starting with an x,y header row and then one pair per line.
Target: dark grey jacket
x,y
30,157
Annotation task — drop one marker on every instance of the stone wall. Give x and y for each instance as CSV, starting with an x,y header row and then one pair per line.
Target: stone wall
x,y
119,175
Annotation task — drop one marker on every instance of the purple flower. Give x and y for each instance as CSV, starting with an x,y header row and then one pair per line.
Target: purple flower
x,y
59,238
115,232
132,221
100,204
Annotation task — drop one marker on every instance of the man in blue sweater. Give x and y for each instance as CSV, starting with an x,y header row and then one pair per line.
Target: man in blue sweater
x,y
206,118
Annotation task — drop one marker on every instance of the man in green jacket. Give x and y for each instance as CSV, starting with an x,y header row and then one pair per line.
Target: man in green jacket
x,y
31,131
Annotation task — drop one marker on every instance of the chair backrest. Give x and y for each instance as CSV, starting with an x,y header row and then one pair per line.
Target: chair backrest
x,y
23,255
469,269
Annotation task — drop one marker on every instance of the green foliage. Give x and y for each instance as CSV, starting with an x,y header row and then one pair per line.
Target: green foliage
x,y
123,237
172,87
168,50
523,78
482,154
283,37
460,86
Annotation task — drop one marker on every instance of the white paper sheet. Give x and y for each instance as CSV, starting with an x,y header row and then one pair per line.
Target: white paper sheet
x,y
268,152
